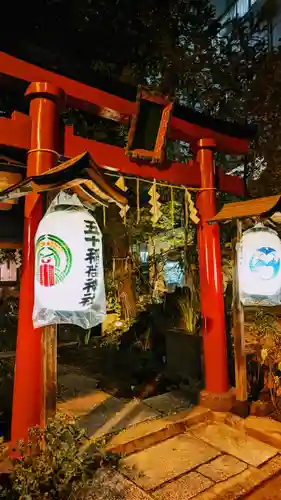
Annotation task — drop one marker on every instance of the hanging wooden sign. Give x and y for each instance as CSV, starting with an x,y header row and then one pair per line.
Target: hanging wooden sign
x,y
149,128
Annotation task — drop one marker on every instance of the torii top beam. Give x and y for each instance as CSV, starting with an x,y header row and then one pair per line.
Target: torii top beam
x,y
186,124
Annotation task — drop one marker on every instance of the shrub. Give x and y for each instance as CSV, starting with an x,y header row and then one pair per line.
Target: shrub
x,y
52,465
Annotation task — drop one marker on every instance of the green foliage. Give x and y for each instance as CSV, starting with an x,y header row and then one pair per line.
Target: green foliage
x,y
264,324
266,333
189,306
265,341
52,465
111,294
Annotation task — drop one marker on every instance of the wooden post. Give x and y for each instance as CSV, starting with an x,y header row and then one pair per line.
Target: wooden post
x,y
238,333
49,360
49,373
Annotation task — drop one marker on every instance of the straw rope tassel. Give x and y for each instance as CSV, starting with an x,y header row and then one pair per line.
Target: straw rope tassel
x,y
138,201
192,208
121,184
172,207
104,215
186,211
155,203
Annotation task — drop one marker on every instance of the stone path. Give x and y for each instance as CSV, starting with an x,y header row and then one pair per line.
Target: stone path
x,y
196,455
192,454
101,413
165,461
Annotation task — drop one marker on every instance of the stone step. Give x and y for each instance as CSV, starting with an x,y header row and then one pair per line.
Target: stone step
x,y
165,461
100,413
238,444
169,403
265,429
149,433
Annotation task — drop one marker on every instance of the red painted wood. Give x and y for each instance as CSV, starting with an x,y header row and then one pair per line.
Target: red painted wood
x,y
77,94
27,398
176,173
185,131
211,291
82,96
115,157
16,131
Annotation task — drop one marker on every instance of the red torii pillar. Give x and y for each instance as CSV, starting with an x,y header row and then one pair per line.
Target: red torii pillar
x,y
216,395
27,398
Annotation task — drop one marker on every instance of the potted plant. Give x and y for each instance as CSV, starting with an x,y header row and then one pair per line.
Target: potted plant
x,y
183,340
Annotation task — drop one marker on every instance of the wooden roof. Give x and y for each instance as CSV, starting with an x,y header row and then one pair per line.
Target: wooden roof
x,y
250,208
80,174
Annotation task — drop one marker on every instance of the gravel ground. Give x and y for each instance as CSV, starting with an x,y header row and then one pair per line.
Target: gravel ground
x,y
108,484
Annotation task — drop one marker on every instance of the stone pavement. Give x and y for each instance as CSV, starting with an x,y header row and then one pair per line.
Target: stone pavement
x,y
101,413
192,454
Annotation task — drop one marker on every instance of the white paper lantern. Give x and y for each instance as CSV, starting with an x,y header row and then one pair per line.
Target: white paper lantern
x,y
259,265
69,278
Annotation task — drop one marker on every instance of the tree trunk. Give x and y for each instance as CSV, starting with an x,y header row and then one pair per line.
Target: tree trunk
x,y
122,263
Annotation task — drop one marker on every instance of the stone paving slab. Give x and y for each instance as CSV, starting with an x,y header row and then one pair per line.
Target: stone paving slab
x,y
82,405
265,429
165,461
229,440
150,432
101,413
72,385
169,403
263,423
114,415
222,468
108,484
239,486
184,488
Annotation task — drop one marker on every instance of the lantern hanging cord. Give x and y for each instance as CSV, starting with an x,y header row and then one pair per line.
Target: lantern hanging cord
x,y
43,150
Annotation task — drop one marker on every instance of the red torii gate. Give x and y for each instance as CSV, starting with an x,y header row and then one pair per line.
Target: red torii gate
x,y
38,134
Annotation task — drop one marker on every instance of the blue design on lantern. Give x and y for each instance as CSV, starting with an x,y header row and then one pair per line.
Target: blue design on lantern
x,y
265,262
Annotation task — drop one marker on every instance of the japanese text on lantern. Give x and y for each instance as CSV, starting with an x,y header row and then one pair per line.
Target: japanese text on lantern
x,y
92,258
